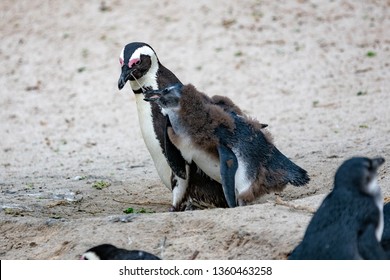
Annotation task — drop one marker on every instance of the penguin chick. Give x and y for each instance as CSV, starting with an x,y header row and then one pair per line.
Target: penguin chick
x,y
227,105
231,148
110,252
349,223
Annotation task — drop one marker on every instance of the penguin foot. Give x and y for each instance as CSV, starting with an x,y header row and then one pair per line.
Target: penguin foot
x,y
172,209
242,202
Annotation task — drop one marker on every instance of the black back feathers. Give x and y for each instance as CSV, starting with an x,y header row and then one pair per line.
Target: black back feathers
x,y
346,224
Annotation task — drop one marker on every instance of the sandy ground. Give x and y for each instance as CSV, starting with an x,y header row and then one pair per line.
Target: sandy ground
x,y
316,71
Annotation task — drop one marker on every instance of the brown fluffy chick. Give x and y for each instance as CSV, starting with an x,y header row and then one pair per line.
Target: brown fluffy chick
x,y
228,146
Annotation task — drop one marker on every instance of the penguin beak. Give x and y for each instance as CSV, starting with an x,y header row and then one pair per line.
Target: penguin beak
x,y
152,95
124,77
376,162
263,125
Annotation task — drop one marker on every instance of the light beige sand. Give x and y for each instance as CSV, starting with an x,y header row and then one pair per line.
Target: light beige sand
x,y
316,71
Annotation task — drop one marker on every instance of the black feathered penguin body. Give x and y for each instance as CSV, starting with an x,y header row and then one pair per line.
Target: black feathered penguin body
x,y
110,252
261,167
233,148
386,229
349,223
190,186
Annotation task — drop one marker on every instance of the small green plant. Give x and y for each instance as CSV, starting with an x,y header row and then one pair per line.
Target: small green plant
x,y
56,217
81,69
238,53
370,54
360,93
9,211
13,212
85,53
101,185
128,211
142,210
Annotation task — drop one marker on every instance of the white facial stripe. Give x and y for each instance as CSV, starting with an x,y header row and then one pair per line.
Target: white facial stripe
x,y
90,256
142,50
122,55
373,187
374,190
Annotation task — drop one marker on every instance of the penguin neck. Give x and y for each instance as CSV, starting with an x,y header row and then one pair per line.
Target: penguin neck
x,y
373,190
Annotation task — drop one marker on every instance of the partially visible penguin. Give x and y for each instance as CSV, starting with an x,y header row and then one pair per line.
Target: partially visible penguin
x,y
231,148
386,229
191,188
349,223
110,252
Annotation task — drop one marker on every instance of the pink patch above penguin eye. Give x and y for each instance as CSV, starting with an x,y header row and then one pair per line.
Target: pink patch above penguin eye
x,y
134,61
121,61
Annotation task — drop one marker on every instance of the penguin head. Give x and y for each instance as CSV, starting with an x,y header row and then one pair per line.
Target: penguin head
x,y
167,98
359,173
138,61
100,252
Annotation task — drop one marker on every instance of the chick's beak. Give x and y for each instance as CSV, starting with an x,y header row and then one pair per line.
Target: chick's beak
x,y
152,95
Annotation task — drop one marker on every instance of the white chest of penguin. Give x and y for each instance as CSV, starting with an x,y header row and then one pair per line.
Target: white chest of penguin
x,y
190,151
209,164
204,160
153,145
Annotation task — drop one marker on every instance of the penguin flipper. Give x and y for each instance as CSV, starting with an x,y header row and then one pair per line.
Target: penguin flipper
x,y
228,167
368,245
173,155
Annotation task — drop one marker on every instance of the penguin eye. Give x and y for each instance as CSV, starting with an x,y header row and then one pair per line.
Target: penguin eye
x,y
134,61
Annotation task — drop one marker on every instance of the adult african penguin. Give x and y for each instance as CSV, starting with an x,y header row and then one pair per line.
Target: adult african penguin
x,y
349,223
231,148
110,252
190,186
